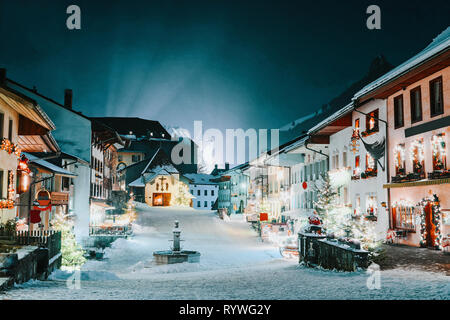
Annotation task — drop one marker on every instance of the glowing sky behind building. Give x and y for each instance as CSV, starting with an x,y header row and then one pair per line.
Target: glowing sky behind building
x,y
230,64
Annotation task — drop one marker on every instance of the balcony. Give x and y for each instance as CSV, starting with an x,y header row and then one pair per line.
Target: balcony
x,y
413,176
439,174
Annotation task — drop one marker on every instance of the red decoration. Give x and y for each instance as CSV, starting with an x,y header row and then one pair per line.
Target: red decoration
x,y
314,220
263,216
35,216
304,185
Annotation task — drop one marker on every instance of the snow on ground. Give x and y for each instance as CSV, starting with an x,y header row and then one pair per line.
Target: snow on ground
x,y
234,264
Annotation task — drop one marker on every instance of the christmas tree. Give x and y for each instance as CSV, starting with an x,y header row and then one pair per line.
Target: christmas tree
x,y
183,197
71,251
326,203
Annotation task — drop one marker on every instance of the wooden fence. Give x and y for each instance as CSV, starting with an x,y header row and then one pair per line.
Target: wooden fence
x,y
49,239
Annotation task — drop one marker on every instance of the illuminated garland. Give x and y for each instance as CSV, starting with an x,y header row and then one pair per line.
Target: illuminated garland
x,y
10,147
6,204
436,211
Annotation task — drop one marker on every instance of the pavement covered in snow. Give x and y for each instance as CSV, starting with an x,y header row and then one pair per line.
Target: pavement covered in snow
x,y
234,264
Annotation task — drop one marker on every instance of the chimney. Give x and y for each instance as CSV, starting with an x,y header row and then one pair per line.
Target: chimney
x,y
227,166
2,77
68,98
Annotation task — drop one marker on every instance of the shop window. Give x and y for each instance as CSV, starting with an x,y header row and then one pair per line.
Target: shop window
x,y
439,156
398,111
416,105
404,216
436,97
418,156
399,159
371,122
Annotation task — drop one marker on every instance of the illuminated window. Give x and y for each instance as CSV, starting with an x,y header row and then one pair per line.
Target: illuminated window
x,y
404,216
399,159
371,164
439,156
371,205
357,123
372,122
418,156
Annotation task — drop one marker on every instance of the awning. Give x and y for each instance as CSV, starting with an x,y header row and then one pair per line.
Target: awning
x,y
53,168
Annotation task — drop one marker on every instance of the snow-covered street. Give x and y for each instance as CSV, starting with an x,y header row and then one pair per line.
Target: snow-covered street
x,y
234,264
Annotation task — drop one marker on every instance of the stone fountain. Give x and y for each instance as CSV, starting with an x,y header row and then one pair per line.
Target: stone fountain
x,y
176,255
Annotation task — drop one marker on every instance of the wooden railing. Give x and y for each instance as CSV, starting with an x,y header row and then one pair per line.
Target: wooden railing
x,y
110,230
49,239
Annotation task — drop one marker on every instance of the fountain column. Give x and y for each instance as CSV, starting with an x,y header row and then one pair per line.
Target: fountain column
x,y
176,237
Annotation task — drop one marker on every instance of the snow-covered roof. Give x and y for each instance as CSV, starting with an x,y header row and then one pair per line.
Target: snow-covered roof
x,y
293,124
48,165
137,183
439,44
200,178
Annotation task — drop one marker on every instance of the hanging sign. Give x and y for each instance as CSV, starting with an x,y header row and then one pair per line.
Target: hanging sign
x,y
44,199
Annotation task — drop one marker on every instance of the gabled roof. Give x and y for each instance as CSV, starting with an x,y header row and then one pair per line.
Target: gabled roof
x,y
439,45
160,161
137,126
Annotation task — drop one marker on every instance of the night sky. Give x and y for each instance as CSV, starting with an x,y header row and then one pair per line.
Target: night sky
x,y
232,64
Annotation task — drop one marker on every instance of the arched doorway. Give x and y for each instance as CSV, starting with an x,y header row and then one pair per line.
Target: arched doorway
x,y
241,206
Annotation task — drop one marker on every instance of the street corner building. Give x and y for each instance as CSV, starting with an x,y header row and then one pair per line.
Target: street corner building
x,y
417,97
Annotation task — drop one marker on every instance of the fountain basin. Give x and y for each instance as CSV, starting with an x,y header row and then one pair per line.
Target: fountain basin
x,y
170,257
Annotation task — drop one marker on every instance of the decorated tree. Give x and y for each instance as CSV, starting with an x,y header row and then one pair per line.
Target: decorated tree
x,y
71,251
326,203
183,196
363,230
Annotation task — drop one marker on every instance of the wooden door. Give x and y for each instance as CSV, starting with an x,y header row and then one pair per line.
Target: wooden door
x,y
429,225
166,199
